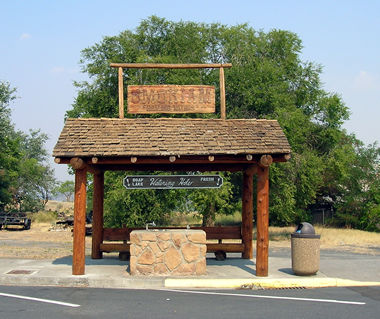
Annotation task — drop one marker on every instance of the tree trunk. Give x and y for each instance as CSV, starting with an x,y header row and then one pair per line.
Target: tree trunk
x,y
209,217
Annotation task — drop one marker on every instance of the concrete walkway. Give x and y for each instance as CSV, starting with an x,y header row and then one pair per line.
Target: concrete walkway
x,y
336,269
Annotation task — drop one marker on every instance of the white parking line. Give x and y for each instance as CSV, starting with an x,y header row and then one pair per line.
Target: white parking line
x,y
267,297
40,300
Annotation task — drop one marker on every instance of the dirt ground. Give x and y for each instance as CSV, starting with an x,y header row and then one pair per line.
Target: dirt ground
x,y
43,241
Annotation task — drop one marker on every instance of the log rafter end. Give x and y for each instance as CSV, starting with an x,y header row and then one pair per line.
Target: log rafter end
x,y
266,160
77,163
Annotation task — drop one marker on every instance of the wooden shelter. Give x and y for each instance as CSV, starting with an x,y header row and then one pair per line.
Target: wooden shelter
x,y
96,145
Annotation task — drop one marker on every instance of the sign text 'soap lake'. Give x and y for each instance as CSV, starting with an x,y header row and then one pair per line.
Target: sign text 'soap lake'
x,y
172,181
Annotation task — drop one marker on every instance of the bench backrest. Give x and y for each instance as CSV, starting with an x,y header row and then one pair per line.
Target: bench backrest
x,y
217,232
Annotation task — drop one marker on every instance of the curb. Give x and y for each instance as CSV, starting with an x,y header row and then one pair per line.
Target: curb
x,y
181,283
265,283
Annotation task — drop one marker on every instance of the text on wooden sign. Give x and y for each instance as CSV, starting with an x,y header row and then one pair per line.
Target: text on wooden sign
x,y
145,99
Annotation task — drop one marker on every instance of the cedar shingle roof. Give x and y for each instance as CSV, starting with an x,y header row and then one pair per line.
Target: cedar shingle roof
x,y
169,136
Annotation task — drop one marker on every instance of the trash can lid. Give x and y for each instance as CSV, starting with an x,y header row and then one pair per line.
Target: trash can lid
x,y
305,230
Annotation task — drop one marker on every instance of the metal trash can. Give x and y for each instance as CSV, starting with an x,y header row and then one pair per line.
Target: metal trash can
x,y
305,245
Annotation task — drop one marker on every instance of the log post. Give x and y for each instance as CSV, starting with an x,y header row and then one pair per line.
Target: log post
x,y
121,93
222,94
97,217
262,240
79,234
247,214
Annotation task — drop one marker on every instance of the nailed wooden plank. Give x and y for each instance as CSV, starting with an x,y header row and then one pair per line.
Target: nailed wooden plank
x,y
224,232
148,99
228,248
117,233
111,247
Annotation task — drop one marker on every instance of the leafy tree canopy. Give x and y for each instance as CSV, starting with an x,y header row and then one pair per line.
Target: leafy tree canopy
x,y
26,180
268,80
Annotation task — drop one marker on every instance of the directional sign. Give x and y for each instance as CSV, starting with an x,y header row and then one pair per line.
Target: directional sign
x,y
172,181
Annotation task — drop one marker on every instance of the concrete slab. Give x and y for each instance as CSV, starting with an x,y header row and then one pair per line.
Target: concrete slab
x,y
336,269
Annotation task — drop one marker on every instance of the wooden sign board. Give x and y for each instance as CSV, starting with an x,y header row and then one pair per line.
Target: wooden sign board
x,y
172,181
147,99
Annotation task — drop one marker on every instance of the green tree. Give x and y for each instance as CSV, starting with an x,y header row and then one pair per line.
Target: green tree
x,y
67,189
209,202
26,180
9,145
136,207
268,79
35,180
352,182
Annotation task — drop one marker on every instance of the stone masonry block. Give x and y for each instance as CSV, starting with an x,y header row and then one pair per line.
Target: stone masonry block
x,y
146,258
178,239
198,237
190,252
172,258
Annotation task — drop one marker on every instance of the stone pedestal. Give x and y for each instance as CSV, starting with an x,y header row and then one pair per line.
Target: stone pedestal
x,y
180,252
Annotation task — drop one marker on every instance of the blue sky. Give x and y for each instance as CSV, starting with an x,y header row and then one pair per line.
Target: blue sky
x,y
41,42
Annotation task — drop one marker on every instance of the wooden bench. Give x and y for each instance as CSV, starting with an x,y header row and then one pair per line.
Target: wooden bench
x,y
117,239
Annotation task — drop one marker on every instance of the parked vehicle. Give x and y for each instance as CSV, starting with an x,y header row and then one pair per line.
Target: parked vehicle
x,y
14,219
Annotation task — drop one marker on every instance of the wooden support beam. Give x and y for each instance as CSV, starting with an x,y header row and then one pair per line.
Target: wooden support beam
x,y
174,167
247,213
262,221
181,159
170,66
78,267
222,94
121,93
97,217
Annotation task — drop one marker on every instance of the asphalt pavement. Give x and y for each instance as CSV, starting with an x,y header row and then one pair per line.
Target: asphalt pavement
x,y
337,269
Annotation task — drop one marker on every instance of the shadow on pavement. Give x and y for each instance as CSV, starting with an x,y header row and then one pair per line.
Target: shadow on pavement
x,y
106,260
246,265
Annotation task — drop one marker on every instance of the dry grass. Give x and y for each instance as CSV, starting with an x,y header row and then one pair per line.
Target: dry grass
x,y
43,241
56,206
332,238
351,237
